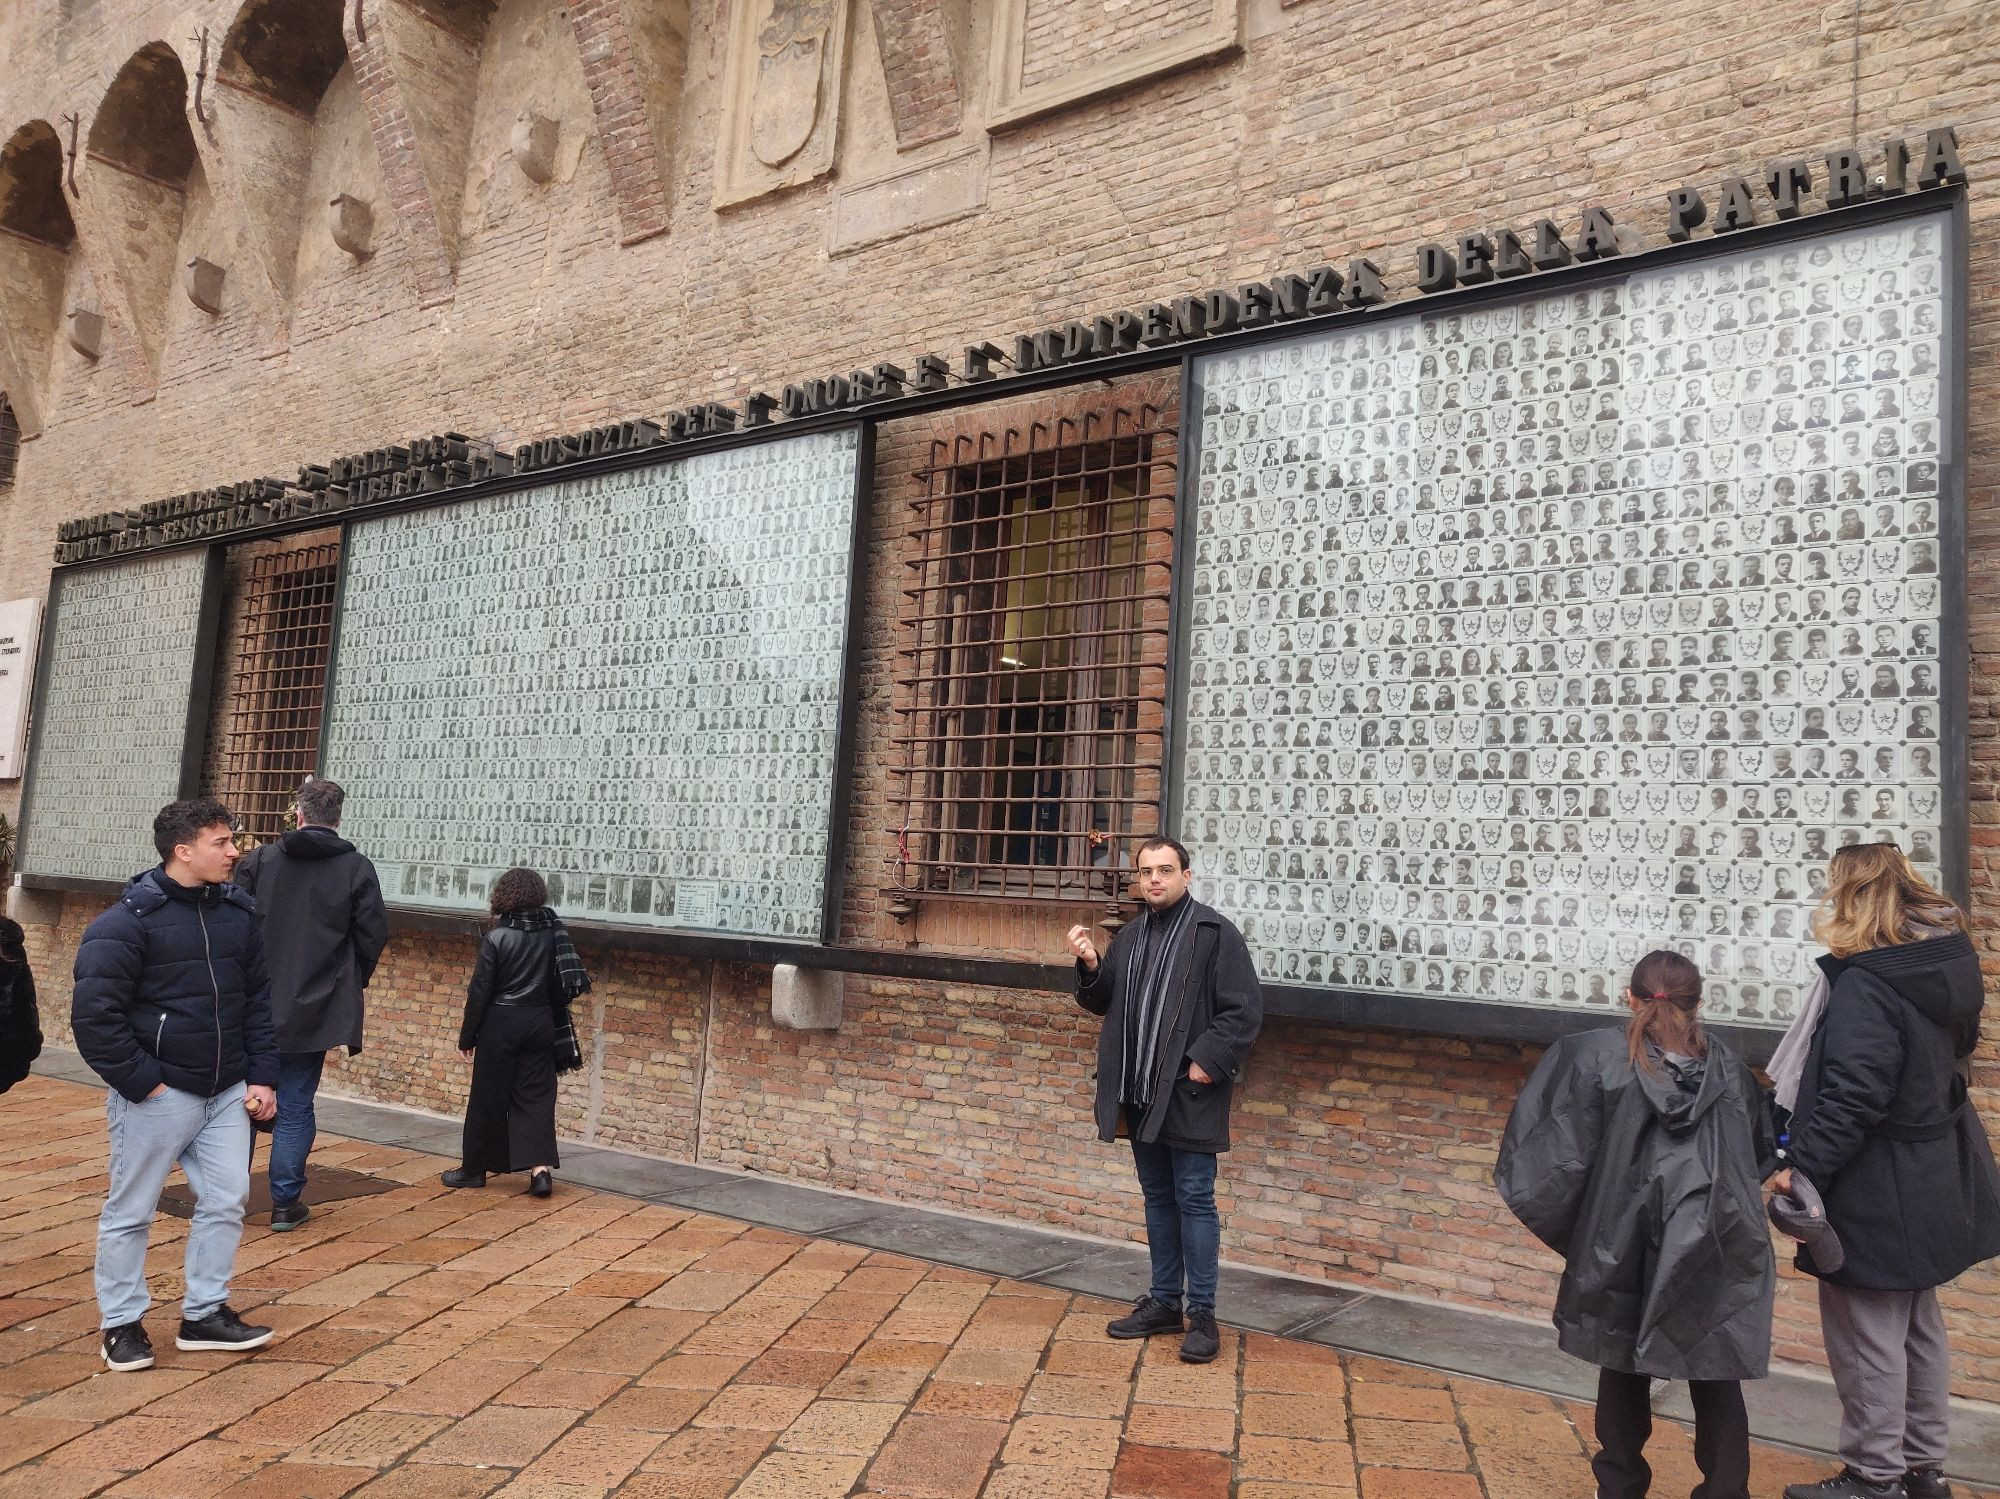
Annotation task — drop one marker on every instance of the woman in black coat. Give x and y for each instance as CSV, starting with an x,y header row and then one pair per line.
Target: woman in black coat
x,y
20,1020
516,1007
1882,1127
1636,1154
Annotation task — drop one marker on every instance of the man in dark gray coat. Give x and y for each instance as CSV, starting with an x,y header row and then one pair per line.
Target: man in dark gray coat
x,y
320,907
1181,1007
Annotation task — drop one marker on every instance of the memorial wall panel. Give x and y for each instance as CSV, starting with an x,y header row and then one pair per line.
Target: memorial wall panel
x,y
123,652
1523,638
632,683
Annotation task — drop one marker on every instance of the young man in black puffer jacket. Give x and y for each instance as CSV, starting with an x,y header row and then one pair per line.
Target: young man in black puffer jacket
x,y
172,1009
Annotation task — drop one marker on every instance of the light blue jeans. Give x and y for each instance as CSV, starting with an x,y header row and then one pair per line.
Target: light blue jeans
x,y
210,1138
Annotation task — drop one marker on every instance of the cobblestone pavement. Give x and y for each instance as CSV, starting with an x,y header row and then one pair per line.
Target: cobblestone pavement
x,y
436,1343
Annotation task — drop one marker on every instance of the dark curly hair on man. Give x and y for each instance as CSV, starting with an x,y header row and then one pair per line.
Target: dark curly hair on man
x,y
518,890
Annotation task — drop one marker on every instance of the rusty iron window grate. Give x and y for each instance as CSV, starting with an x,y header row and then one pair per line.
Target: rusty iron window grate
x,y
1031,689
280,687
10,442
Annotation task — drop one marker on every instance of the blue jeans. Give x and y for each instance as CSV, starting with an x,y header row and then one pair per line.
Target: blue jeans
x,y
1183,1230
210,1138
296,1126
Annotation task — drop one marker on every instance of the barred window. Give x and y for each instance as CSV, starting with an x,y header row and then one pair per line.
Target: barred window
x,y
279,689
1033,685
10,442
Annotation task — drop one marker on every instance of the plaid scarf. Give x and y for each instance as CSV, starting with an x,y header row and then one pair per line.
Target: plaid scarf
x,y
569,967
1149,965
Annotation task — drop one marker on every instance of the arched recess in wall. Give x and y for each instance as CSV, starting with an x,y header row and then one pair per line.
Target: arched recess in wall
x,y
282,64
142,172
36,238
10,442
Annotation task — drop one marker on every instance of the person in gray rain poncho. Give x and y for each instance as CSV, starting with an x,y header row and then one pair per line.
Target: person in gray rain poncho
x,y
1636,1154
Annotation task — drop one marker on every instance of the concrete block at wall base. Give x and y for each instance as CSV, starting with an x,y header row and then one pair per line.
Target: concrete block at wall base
x,y
807,999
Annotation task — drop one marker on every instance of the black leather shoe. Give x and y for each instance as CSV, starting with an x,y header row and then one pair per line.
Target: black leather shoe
x,y
1202,1342
458,1176
221,1329
286,1216
1846,1484
1926,1483
127,1348
541,1183
1146,1319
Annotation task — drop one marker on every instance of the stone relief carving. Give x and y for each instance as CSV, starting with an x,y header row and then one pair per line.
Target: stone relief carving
x,y
784,106
781,96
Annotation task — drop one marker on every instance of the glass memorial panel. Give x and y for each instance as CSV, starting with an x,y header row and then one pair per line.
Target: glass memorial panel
x,y
630,682
114,715
1524,638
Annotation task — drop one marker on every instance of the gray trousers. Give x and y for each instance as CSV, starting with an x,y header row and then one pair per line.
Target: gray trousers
x,y
1893,1371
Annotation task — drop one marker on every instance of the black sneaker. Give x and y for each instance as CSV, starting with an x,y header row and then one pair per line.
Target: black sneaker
x,y
126,1348
221,1329
1846,1484
1926,1483
286,1216
1149,1317
458,1176
1202,1342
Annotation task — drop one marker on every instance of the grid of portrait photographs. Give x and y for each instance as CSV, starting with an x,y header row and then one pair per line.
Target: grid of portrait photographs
x,y
1525,638
631,683
114,715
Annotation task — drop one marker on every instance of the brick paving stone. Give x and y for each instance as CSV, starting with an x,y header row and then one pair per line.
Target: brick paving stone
x,y
56,1483
807,1368
876,1382
123,1445
660,1408
937,1457
598,1458
1260,1488
801,1475
1385,1372
562,1389
1308,1415
1073,1395
694,1371
1294,1460
1025,1482
196,1471
433,1483
293,1419
755,1407
1012,1366
1103,1357
715,1454
985,1402
1188,1384
1170,1473
298,1481
700,1291
1417,1483
1409,1444
827,1335
234,1392
1182,1426
456,1387
1402,1403
627,1342
506,1436
109,1396
855,1428
371,1439
1063,1442
44,1373
26,1436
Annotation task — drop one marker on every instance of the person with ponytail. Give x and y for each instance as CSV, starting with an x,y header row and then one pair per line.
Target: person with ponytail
x,y
1872,1079
1636,1153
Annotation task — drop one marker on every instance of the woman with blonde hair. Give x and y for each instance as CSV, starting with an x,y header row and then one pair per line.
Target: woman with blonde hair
x,y
1872,1074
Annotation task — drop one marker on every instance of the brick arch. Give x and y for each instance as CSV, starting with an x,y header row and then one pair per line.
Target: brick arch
x,y
141,123
287,51
31,187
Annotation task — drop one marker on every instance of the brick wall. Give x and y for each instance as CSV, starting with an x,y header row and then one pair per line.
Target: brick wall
x,y
1362,1157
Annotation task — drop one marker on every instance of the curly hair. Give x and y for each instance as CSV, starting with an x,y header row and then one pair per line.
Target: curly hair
x,y
517,890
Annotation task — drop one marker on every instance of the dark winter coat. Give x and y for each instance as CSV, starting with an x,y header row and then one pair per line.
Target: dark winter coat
x,y
1213,1011
320,908
1883,1127
170,988
515,967
20,1020
1649,1185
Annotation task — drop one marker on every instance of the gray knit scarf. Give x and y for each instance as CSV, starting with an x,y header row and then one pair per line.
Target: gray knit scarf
x,y
1149,965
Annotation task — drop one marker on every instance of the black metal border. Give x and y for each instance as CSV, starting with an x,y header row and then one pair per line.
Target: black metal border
x,y
332,649
194,733
860,569
1539,1023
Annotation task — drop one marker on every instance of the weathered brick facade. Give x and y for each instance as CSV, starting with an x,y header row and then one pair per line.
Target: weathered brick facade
x,y
510,310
